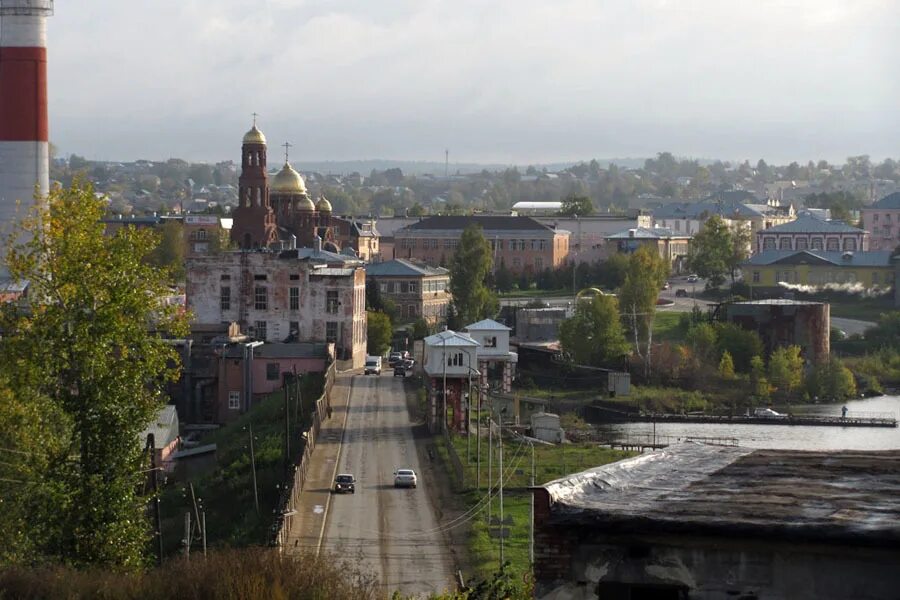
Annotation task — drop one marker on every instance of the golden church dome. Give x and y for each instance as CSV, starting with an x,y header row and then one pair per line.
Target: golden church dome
x,y
304,204
323,205
254,136
288,181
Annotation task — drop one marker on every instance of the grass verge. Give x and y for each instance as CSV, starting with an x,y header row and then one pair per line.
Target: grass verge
x,y
551,462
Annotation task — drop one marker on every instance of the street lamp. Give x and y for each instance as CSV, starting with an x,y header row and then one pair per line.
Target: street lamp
x,y
248,372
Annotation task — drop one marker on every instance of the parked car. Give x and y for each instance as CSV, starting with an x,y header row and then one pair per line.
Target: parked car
x,y
693,278
666,285
394,358
409,363
766,412
405,478
373,365
400,371
681,293
344,483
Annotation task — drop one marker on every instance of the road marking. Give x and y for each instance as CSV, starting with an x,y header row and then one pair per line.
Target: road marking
x,y
318,509
337,462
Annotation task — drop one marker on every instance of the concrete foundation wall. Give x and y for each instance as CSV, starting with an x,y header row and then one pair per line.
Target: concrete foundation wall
x,y
711,569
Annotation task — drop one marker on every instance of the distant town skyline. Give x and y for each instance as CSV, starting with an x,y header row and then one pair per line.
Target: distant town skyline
x,y
523,82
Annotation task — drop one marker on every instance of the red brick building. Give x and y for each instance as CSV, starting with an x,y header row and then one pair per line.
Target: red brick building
x,y
523,244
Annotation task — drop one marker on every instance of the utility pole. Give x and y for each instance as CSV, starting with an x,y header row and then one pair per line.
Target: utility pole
x,y
154,483
447,162
478,442
500,436
531,522
253,467
203,517
287,424
187,535
490,466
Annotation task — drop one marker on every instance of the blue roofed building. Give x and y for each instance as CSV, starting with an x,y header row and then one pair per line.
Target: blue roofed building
x,y
882,219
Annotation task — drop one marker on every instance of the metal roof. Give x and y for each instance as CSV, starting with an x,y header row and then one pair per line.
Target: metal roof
x,y
874,258
401,267
850,495
807,223
280,350
488,223
889,202
643,233
164,427
450,338
487,325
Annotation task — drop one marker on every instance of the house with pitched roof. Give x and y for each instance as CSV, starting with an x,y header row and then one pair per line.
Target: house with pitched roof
x,y
672,246
522,244
495,362
450,366
882,219
735,207
813,233
417,289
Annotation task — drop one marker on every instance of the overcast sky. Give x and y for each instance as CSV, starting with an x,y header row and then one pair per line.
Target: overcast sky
x,y
523,81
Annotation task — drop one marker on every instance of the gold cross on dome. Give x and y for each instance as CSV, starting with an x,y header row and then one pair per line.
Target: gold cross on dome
x,y
286,145
254,118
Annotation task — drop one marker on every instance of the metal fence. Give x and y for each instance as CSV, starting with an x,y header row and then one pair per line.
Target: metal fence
x,y
295,477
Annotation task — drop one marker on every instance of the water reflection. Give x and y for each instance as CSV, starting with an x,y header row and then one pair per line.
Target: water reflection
x,y
784,436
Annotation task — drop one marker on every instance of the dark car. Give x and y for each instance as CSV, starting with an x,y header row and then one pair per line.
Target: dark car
x,y
400,371
394,358
344,483
681,293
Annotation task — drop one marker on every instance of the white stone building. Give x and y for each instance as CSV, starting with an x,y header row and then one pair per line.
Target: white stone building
x,y
297,295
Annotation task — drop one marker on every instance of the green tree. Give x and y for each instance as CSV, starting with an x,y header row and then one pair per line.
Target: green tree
x,y
702,339
647,271
169,253
416,210
576,205
378,333
711,250
504,278
831,380
611,272
594,335
742,344
887,333
469,270
786,369
420,329
726,366
758,382
91,350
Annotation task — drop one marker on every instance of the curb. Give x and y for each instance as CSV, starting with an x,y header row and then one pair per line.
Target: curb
x,y
337,462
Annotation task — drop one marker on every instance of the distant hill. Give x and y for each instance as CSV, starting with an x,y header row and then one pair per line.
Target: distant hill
x,y
421,167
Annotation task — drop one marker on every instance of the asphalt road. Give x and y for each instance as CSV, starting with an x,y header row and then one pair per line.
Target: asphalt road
x,y
393,533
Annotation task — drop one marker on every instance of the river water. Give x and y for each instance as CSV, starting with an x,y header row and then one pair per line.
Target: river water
x,y
785,436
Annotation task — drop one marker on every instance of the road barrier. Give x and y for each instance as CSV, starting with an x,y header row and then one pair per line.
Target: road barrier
x,y
295,477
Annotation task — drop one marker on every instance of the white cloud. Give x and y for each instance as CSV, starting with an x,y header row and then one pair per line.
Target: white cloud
x,y
522,80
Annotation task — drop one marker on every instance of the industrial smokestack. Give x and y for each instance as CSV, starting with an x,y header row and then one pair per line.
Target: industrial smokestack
x,y
24,140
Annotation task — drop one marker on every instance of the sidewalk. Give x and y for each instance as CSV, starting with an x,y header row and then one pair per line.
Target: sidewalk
x,y
312,509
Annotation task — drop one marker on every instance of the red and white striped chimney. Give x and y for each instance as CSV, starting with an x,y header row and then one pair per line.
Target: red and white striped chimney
x,y
24,145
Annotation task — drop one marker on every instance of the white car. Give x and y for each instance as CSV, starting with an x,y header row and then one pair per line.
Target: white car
x,y
373,365
405,478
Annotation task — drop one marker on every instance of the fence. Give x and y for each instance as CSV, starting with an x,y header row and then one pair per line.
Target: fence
x,y
295,477
455,462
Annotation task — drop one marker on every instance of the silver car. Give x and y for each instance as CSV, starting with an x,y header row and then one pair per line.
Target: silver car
x,y
405,478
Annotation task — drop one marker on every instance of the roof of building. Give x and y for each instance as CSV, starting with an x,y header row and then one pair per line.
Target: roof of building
x,y
487,222
403,268
875,258
778,302
737,204
164,427
645,233
450,338
487,325
319,256
808,223
850,495
281,350
889,202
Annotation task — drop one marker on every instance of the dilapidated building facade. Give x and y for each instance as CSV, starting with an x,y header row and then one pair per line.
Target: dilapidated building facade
x,y
705,522
295,295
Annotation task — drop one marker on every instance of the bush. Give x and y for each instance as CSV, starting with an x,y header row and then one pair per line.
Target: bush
x,y
224,574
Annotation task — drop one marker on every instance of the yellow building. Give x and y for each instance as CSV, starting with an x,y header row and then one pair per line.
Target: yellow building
x,y
783,268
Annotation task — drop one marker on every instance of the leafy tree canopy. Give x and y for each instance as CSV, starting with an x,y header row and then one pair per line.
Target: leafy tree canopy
x,y
576,205
594,335
469,271
89,356
378,332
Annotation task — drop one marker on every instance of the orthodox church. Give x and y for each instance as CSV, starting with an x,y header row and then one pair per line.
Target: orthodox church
x,y
280,210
